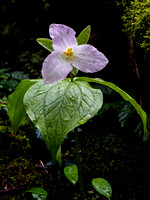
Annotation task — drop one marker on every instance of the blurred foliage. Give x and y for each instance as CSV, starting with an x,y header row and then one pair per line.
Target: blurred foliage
x,y
30,60
124,110
19,49
9,80
136,22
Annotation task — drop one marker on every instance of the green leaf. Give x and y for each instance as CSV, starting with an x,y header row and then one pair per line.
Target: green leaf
x,y
19,75
102,186
58,156
46,43
127,97
84,36
71,172
4,70
74,71
2,105
38,193
56,109
125,113
16,110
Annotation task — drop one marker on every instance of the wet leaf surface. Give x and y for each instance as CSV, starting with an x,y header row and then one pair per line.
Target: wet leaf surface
x,y
71,172
56,109
102,186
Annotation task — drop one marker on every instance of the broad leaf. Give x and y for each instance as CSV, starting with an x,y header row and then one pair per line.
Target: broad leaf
x,y
127,97
84,36
56,109
71,172
38,193
16,110
102,186
46,43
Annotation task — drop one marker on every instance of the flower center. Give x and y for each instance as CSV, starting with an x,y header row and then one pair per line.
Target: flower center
x,y
69,52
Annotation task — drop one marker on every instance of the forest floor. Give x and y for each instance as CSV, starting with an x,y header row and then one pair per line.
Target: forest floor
x,y
106,151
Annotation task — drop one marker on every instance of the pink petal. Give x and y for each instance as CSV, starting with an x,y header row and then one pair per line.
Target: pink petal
x,y
63,37
88,59
55,68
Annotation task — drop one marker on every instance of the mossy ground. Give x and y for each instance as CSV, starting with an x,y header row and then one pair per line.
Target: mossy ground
x,y
106,150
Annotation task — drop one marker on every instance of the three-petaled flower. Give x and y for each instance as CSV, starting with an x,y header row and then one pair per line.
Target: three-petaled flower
x,y
68,54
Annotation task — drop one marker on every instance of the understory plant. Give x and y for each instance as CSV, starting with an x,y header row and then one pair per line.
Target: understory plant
x,y
57,104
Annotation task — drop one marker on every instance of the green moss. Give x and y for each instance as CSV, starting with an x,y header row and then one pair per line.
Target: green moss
x,y
17,168
136,23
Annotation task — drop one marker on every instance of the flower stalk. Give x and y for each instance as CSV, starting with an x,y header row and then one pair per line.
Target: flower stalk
x,y
71,76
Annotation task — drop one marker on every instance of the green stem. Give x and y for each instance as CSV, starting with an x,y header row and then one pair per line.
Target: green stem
x,y
57,174
71,76
80,179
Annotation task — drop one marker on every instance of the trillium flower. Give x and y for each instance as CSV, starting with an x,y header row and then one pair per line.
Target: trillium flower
x,y
68,54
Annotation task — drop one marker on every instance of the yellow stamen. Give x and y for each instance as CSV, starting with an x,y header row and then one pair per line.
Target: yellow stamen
x,y
68,52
